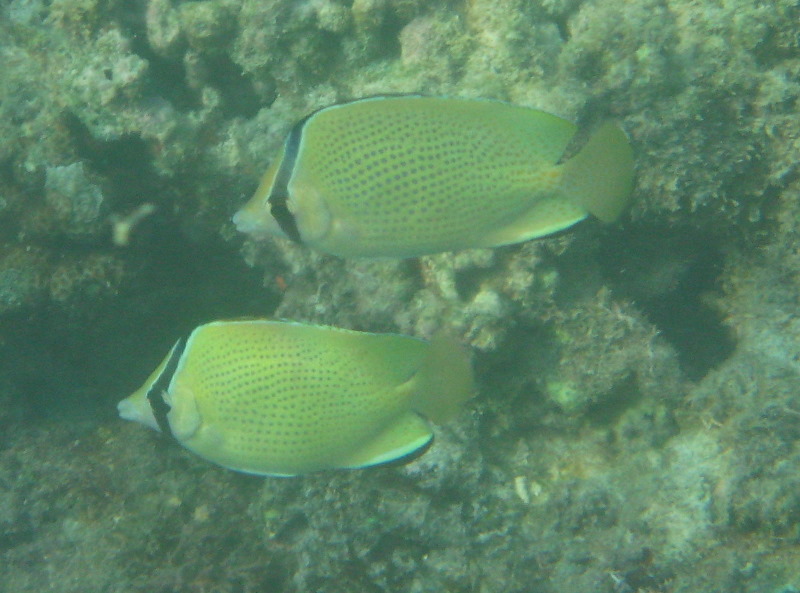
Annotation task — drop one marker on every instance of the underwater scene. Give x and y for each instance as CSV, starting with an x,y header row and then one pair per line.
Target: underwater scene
x,y
425,296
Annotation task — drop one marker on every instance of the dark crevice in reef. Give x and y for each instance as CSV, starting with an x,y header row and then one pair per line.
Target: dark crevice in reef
x,y
96,352
390,36
668,274
125,164
166,83
166,79
238,94
124,168
470,281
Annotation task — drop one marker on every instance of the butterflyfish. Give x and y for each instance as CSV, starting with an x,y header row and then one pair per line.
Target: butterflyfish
x,y
409,175
282,398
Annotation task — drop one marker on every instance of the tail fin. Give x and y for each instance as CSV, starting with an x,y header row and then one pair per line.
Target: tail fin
x,y
600,177
445,381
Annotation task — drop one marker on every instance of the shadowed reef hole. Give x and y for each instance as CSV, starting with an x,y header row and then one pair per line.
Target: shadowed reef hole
x,y
668,274
75,361
73,358
166,83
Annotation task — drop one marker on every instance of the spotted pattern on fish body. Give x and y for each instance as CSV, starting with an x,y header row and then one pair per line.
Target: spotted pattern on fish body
x,y
281,398
405,176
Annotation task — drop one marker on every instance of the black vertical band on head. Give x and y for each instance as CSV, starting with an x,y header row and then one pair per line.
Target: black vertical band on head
x,y
155,395
279,194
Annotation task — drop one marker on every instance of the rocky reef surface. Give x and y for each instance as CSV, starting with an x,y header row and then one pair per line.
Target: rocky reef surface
x,y
638,420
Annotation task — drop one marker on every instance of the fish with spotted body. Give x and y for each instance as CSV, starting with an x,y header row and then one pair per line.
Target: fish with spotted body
x,y
281,398
410,175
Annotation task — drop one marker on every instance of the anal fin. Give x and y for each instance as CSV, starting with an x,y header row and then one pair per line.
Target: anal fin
x,y
403,438
545,217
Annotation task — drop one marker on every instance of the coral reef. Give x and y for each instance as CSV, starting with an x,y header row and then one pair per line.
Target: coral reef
x,y
638,417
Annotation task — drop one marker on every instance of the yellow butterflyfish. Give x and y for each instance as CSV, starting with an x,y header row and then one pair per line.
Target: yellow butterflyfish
x,y
409,175
282,398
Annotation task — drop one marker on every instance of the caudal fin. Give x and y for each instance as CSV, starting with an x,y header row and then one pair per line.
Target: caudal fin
x,y
600,177
445,381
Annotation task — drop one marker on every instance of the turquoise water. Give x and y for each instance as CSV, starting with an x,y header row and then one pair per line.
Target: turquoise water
x,y
637,415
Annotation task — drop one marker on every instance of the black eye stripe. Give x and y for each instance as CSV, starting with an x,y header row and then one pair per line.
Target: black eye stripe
x,y
155,395
279,194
